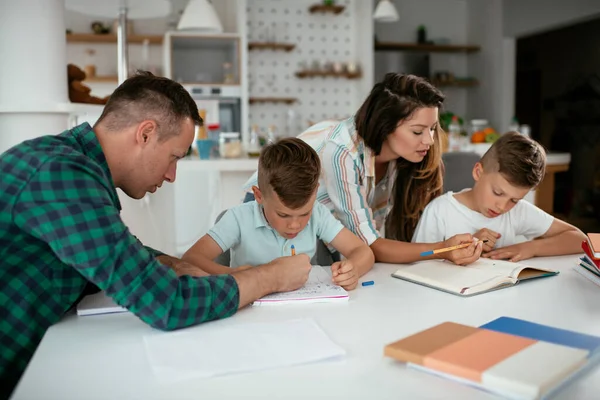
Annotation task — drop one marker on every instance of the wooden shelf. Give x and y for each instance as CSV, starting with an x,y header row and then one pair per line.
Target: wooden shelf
x,y
312,74
270,46
106,79
286,100
458,83
108,38
315,8
426,48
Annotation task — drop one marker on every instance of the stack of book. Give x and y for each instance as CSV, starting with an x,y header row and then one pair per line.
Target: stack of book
x,y
511,357
589,264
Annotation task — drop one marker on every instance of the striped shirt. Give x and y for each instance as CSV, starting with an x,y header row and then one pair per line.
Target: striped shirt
x,y
347,184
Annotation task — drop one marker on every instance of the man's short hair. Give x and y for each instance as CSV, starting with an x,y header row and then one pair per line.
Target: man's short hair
x,y
520,160
291,169
148,97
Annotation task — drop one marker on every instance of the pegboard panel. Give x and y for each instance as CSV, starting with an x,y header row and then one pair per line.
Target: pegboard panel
x,y
319,38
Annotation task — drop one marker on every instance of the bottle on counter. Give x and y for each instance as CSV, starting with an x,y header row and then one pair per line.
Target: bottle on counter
x,y
514,125
272,134
454,135
254,147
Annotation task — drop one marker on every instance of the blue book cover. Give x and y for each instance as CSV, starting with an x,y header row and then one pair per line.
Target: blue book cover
x,y
519,327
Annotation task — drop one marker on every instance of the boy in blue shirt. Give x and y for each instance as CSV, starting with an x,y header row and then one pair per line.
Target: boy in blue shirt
x,y
284,221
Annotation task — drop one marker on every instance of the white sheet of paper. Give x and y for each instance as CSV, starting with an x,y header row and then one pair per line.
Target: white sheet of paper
x,y
98,303
212,350
318,288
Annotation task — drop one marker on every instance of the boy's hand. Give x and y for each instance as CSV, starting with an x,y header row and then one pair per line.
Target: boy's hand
x,y
514,253
462,256
344,274
490,236
241,268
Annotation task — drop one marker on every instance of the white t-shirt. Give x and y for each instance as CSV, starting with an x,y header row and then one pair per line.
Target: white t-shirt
x,y
445,217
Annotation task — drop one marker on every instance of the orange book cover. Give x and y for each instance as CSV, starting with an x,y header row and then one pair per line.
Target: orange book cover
x,y
594,240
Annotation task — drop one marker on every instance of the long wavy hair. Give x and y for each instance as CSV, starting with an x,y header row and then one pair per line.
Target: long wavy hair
x,y
391,101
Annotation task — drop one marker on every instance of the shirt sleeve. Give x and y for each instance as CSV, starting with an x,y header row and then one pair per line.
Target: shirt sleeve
x,y
532,222
226,232
329,226
69,206
347,193
431,228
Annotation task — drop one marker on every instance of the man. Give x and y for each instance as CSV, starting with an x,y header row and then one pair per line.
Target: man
x,y
60,227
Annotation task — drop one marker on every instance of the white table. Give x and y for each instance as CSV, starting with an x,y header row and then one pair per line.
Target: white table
x,y
103,357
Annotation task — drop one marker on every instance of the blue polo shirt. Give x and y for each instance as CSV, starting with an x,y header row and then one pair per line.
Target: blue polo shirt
x,y
245,231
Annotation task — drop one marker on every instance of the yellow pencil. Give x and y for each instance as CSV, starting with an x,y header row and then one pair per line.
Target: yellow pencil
x,y
445,249
293,250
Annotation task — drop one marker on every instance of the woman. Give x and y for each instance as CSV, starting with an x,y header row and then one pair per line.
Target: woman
x,y
382,166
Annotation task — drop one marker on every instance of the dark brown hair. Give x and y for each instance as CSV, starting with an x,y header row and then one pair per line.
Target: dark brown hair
x,y
290,168
148,97
520,160
391,101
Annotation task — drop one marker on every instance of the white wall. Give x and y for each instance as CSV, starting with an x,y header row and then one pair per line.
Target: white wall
x,y
526,17
443,19
492,65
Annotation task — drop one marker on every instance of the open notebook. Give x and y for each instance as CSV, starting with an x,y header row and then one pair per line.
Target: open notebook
x,y
318,289
510,357
481,276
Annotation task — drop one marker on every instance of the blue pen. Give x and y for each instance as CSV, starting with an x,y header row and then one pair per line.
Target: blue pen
x,y
368,283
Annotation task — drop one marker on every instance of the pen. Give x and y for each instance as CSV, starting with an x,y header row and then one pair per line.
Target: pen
x,y
368,283
293,250
445,249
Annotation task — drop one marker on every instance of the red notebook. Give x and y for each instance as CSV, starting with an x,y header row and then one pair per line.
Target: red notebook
x,y
594,242
588,252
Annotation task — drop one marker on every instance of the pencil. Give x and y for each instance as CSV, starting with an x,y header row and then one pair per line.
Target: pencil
x,y
445,249
293,250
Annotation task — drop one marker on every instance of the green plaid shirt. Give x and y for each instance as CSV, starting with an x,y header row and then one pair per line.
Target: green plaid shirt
x,y
60,228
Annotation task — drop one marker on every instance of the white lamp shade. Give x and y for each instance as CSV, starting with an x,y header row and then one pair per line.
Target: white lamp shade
x,y
199,15
385,12
136,9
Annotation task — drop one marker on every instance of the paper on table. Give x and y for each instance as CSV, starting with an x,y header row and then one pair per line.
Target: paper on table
x,y
212,350
98,303
318,288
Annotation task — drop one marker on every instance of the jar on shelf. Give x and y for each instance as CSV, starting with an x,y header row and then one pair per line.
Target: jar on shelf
x,y
230,145
477,130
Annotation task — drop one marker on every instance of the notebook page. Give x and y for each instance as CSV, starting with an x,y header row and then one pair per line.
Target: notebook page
x,y
451,277
318,288
212,349
501,267
506,268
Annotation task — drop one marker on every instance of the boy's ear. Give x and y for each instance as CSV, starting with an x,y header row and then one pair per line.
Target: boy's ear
x,y
257,194
477,171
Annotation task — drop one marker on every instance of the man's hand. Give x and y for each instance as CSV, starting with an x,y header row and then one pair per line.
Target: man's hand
x,y
490,236
290,273
514,253
463,256
181,267
344,274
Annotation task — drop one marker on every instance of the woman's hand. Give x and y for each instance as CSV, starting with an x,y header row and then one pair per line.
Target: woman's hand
x,y
465,255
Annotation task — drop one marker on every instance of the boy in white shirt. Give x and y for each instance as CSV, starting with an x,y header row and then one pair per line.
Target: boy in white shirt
x,y
494,208
285,220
